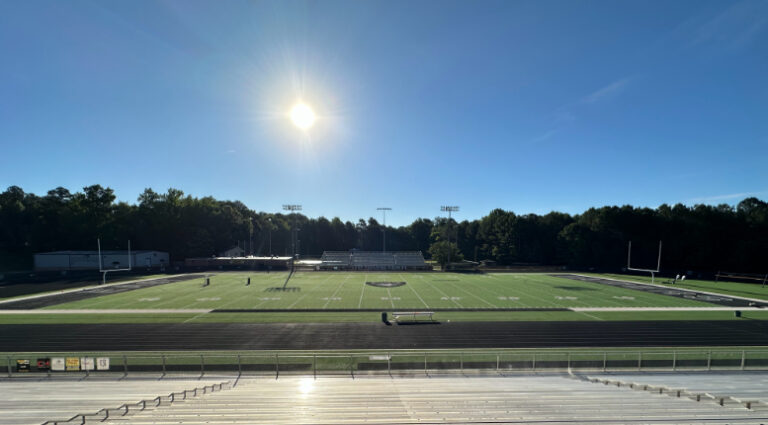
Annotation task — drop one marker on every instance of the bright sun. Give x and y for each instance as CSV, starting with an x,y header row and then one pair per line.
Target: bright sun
x,y
302,116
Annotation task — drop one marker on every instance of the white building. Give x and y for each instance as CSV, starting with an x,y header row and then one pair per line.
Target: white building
x,y
89,260
235,251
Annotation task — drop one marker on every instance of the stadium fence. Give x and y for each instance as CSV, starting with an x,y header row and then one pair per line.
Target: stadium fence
x,y
382,362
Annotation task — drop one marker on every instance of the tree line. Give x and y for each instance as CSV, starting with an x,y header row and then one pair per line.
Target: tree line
x,y
699,237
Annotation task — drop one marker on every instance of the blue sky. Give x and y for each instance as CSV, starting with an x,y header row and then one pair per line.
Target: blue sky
x,y
530,106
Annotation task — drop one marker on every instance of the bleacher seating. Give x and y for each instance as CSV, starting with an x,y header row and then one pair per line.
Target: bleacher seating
x,y
439,399
336,258
373,260
34,401
740,385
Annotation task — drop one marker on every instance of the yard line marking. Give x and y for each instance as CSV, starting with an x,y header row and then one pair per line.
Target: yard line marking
x,y
334,293
194,317
444,294
545,301
193,292
482,287
390,298
360,304
414,291
469,293
233,287
589,315
317,285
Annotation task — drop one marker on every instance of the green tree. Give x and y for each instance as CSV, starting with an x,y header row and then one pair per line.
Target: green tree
x,y
445,252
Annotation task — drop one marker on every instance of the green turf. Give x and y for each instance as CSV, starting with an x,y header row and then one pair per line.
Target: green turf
x,y
347,290
67,285
747,290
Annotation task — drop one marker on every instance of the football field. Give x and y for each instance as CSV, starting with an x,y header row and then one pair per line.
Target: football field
x,y
366,291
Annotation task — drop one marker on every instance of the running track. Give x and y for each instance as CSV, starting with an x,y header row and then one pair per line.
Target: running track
x,y
322,336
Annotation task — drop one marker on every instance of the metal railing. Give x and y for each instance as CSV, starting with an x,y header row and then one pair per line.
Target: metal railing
x,y
124,409
351,363
722,400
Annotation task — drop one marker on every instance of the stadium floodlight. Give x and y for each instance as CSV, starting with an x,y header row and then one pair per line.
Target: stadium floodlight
x,y
104,271
293,208
270,237
384,228
651,271
449,209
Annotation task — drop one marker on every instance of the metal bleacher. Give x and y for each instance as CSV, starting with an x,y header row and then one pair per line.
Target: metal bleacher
x,y
437,399
722,387
35,401
373,260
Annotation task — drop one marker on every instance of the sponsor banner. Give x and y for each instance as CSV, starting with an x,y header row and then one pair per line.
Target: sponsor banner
x,y
72,363
44,364
86,363
22,365
57,364
102,363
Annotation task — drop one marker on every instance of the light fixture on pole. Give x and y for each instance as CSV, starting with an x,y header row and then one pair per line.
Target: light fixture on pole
x,y
293,208
449,209
384,228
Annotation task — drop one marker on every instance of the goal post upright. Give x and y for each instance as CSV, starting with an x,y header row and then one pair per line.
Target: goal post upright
x,y
104,271
651,271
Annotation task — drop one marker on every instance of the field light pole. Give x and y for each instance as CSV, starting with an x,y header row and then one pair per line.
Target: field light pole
x,y
449,209
384,229
293,208
270,237
250,239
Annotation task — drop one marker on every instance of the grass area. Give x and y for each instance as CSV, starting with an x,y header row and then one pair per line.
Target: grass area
x,y
348,290
337,317
747,290
21,290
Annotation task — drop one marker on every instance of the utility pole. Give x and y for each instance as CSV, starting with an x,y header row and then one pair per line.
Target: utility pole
x,y
384,228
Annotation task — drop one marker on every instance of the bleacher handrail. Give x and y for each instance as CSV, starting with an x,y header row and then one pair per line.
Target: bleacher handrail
x,y
125,407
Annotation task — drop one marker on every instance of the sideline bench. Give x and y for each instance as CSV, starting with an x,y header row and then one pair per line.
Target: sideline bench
x,y
413,315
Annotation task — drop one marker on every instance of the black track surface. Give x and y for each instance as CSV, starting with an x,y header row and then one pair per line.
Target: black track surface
x,y
669,291
55,299
319,336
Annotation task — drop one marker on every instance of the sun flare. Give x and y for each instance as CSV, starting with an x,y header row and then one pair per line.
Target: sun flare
x,y
303,116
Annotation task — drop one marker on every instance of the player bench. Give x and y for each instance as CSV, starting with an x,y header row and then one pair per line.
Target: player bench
x,y
412,315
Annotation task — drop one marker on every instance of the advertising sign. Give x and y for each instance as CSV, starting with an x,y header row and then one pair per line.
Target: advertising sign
x,y
22,365
102,363
44,364
57,364
72,363
86,363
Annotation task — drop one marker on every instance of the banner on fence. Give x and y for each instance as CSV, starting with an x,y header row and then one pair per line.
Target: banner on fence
x,y
72,363
102,363
86,363
57,364
44,364
22,365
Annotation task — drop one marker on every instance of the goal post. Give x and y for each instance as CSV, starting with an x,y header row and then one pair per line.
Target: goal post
x,y
104,271
651,271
